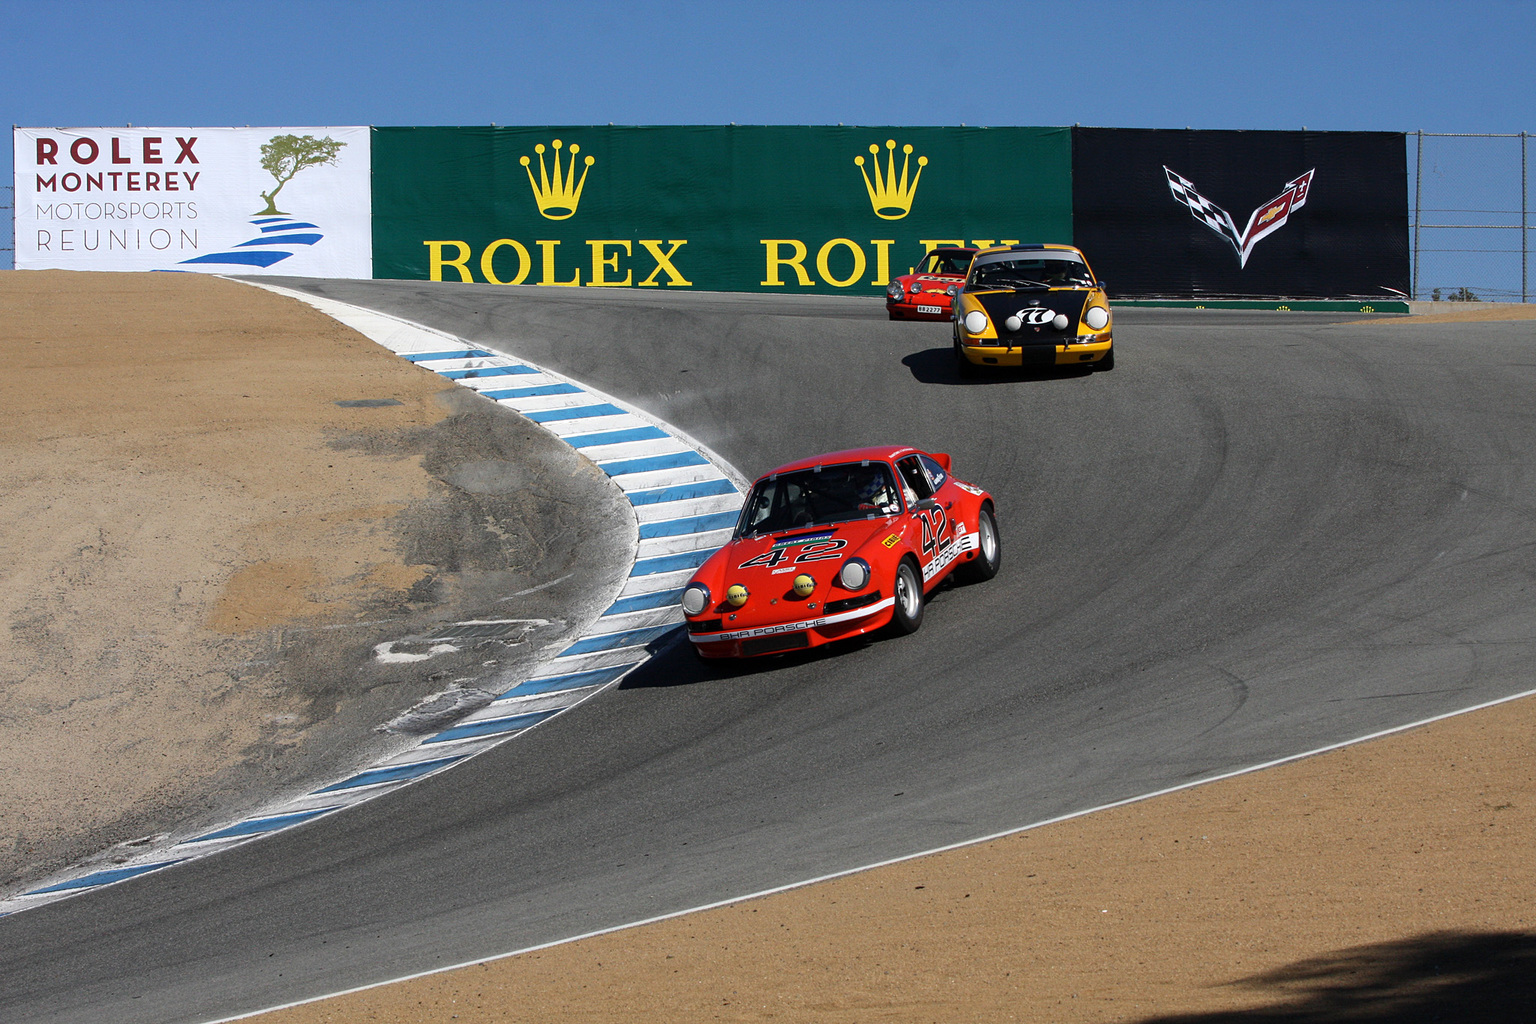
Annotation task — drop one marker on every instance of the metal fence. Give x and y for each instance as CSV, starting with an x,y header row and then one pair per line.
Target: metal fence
x,y
1471,218
7,226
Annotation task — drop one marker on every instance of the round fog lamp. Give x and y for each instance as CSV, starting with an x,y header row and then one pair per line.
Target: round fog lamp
x,y
736,596
1060,321
1013,323
804,585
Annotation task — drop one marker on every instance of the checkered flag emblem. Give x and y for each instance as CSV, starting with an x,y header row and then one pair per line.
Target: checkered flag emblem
x,y
1262,223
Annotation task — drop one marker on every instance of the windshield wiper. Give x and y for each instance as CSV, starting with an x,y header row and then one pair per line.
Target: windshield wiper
x,y
1004,282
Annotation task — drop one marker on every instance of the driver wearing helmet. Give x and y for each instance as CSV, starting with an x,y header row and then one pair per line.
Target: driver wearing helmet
x,y
875,491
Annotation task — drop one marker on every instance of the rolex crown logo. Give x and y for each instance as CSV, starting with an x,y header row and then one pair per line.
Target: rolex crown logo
x,y
892,199
557,197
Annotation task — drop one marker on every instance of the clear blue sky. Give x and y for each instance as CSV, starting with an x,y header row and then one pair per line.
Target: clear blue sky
x,y
1349,64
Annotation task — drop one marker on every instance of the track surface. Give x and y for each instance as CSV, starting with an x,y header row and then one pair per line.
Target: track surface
x,y
1261,534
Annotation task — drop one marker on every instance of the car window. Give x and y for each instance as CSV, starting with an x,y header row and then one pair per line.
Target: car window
x,y
913,475
1013,270
948,262
819,497
935,471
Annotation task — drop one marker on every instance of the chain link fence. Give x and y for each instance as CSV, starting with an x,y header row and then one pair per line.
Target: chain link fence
x,y
1471,220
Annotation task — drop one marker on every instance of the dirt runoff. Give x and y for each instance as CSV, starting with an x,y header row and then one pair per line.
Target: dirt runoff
x,y
215,503
180,517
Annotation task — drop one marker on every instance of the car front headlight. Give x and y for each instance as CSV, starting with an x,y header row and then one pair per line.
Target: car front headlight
x,y
854,574
695,599
914,288
894,291
975,321
952,290
1096,318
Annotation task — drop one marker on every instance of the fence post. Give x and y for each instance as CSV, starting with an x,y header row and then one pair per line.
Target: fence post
x,y
1418,194
1525,231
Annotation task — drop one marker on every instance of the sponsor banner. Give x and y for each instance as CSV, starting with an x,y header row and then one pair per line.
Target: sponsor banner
x,y
291,201
1242,213
727,208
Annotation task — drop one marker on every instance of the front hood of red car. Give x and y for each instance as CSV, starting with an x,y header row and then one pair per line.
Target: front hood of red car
x,y
930,284
768,565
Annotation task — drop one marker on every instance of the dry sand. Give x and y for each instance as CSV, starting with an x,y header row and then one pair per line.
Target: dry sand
x,y
167,505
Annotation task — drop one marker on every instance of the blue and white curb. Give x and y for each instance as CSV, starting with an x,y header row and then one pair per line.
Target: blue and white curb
x,y
685,501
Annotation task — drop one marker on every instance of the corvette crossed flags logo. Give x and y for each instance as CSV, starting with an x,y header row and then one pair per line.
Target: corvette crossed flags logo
x,y
1263,222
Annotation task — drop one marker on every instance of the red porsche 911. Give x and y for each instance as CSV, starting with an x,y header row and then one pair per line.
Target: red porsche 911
x,y
927,292
837,546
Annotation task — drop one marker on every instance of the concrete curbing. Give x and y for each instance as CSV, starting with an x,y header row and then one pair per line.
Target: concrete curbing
x,y
684,497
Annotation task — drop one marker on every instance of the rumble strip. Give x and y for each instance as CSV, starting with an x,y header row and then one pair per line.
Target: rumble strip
x,y
685,501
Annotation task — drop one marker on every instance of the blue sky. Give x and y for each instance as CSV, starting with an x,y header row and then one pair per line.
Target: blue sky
x,y
1349,64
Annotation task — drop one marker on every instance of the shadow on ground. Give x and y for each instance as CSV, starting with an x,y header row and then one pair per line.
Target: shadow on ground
x,y
937,366
1465,977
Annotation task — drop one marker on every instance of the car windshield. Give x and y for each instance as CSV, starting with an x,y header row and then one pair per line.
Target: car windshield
x,y
819,497
1016,270
946,261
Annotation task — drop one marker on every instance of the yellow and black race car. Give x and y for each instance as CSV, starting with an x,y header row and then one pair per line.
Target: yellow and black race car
x,y
1032,306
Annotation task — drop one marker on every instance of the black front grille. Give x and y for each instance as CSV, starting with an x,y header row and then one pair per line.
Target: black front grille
x,y
833,607
776,643
704,626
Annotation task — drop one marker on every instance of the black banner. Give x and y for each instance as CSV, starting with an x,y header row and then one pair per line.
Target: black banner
x,y
1242,213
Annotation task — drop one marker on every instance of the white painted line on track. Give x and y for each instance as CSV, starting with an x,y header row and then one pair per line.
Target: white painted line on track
x,y
787,887
682,495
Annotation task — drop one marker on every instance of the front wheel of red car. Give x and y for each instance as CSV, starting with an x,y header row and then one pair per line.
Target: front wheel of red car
x,y
908,613
989,548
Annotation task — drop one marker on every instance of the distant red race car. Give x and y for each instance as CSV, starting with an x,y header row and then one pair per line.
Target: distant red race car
x,y
836,546
926,293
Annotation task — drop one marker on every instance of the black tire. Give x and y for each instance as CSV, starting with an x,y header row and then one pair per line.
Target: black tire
x,y
1107,363
985,565
908,589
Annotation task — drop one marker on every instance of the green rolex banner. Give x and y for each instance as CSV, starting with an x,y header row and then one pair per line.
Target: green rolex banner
x,y
719,208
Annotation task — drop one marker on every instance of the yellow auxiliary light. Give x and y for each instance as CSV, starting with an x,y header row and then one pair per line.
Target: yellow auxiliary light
x,y
736,596
804,585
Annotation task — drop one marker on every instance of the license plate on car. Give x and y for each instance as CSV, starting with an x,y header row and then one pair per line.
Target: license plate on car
x,y
930,309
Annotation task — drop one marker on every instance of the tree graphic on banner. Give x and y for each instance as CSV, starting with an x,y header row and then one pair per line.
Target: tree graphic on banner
x,y
286,155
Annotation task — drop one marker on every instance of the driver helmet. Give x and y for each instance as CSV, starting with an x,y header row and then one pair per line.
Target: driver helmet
x,y
872,490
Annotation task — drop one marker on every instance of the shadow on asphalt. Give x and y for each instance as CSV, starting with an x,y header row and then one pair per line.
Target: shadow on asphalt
x,y
1467,977
937,366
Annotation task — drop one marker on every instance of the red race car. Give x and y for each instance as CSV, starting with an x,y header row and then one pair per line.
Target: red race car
x,y
926,293
837,546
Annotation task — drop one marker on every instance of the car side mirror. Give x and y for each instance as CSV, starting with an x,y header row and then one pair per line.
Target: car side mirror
x,y
925,505
1103,286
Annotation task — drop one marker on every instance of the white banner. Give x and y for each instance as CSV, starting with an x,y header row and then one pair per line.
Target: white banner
x,y
289,201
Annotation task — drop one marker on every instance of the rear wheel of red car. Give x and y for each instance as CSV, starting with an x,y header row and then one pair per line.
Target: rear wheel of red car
x,y
989,549
908,614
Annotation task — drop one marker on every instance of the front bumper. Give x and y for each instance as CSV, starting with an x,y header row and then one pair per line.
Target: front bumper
x,y
920,307
992,352
798,634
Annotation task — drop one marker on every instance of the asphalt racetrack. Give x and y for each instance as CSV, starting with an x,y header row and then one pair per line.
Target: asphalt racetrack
x,y
1261,534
